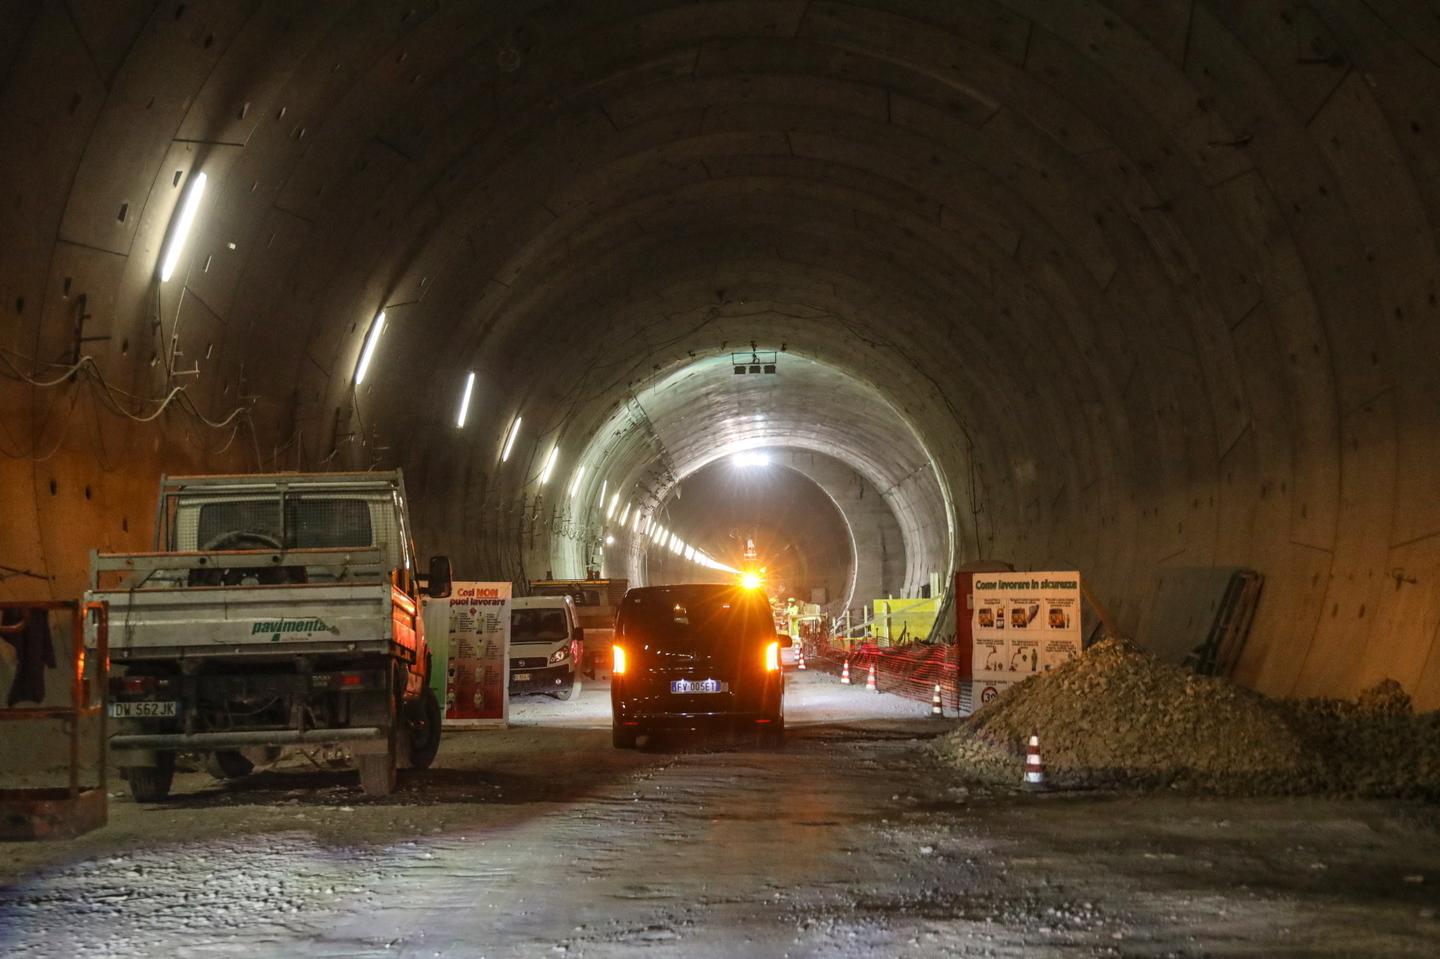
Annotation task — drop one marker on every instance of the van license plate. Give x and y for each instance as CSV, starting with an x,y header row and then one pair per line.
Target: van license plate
x,y
690,686
143,710
520,677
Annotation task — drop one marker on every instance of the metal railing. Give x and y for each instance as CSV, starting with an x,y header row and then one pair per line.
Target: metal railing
x,y
86,701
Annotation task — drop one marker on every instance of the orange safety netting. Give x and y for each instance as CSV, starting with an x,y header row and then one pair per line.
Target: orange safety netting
x,y
912,671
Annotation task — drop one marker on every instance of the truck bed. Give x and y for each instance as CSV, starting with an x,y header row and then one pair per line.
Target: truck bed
x,y
155,615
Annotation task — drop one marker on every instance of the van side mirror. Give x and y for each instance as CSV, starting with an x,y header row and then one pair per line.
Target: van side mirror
x,y
438,586
785,641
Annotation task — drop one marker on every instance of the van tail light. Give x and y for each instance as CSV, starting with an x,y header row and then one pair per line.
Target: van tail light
x,y
772,657
620,664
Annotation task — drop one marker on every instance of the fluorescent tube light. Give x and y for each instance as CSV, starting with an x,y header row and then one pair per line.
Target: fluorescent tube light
x,y
465,400
368,353
510,440
188,208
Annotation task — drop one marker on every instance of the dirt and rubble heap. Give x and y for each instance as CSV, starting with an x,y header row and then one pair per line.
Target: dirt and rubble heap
x,y
1385,698
1117,716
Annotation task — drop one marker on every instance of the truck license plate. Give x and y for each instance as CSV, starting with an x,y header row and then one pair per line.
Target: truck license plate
x,y
689,686
520,677
143,710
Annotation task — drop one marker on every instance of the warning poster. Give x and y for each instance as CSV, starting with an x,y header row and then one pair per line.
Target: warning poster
x,y
1022,623
477,653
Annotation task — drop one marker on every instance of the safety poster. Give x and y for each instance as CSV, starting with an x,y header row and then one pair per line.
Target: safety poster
x,y
476,648
1022,623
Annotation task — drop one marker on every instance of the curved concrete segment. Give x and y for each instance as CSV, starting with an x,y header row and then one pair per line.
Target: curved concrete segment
x,y
1153,283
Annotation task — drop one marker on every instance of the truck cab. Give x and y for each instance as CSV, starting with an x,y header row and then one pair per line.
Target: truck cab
x,y
546,647
596,603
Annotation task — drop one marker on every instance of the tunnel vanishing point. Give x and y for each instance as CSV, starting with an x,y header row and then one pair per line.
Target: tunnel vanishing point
x,y
1117,286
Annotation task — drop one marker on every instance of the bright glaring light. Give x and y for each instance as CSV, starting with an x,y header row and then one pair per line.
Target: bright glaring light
x,y
609,539
510,440
465,400
368,353
614,502
188,208
751,459
549,464
575,483
624,514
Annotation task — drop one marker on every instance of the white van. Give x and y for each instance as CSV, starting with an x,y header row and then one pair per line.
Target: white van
x,y
546,647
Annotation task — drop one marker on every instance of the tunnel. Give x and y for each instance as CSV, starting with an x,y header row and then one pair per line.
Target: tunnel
x,y
1110,286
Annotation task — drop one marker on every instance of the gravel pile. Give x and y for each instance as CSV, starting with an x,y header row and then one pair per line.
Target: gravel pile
x,y
1117,717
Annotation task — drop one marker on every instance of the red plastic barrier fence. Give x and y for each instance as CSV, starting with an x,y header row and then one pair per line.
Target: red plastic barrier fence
x,y
911,671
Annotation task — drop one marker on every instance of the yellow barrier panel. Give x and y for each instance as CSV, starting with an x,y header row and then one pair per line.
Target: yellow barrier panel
x,y
899,622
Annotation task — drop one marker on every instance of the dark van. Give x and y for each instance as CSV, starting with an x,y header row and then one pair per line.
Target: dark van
x,y
695,656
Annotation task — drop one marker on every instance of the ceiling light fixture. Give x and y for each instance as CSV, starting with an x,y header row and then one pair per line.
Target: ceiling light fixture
x,y
465,400
550,464
368,353
188,208
510,440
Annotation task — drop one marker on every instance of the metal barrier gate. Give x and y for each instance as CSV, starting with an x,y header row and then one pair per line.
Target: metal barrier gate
x,y
65,811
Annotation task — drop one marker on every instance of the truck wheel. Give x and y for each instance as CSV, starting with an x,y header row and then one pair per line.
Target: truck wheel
x,y
227,764
424,730
377,773
151,783
624,737
569,692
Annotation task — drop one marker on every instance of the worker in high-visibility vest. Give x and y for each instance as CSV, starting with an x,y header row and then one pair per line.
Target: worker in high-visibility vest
x,y
792,616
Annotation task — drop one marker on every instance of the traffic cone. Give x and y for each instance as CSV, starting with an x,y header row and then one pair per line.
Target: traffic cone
x,y
937,709
845,674
800,657
1034,768
870,686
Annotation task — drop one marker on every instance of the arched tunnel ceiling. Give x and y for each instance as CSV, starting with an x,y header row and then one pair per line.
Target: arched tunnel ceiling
x,y
1154,283
800,536
702,411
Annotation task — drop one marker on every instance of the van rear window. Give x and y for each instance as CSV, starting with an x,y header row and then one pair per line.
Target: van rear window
x,y
696,618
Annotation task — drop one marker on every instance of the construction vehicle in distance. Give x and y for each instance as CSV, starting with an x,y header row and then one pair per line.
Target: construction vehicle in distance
x,y
596,603
276,610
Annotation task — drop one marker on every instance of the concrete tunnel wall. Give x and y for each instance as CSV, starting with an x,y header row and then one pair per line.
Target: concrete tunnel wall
x,y
1154,283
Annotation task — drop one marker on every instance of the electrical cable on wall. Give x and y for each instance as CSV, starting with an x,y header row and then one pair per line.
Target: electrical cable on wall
x,y
87,371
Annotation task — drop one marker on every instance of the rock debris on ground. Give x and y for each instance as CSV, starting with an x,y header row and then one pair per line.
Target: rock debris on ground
x,y
1117,717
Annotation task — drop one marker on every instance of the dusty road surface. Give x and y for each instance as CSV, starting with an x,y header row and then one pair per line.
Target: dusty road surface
x,y
545,841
